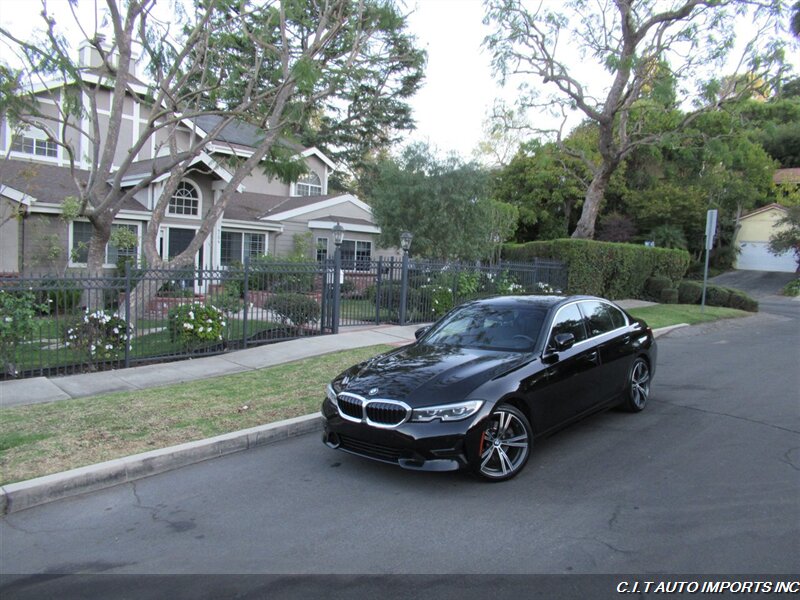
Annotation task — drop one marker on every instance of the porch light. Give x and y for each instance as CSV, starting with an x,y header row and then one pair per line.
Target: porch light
x,y
338,234
405,240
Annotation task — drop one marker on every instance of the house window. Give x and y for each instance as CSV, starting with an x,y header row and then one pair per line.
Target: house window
x,y
322,249
32,145
82,235
235,246
185,200
309,185
356,255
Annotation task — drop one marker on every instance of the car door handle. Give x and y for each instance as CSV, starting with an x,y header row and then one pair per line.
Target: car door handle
x,y
593,357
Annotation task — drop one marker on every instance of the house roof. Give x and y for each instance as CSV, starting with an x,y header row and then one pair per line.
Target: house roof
x,y
301,205
142,168
293,203
248,206
762,210
241,136
47,183
786,176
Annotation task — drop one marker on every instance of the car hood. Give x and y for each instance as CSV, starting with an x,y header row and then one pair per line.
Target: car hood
x,y
423,375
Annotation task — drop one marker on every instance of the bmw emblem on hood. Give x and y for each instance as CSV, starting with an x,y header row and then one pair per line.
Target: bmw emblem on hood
x,y
373,391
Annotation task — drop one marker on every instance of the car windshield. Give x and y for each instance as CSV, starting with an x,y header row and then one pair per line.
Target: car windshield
x,y
489,327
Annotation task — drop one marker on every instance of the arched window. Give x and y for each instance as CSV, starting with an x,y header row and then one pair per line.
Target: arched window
x,y
185,200
309,185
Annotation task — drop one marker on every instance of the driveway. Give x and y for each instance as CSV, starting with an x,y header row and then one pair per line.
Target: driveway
x,y
757,284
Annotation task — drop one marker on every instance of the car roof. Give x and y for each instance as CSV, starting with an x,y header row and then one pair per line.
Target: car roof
x,y
530,301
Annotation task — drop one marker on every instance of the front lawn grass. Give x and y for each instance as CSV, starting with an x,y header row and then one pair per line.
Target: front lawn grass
x,y
664,315
41,439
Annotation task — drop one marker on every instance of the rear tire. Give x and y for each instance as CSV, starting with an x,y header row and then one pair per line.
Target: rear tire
x,y
504,444
637,390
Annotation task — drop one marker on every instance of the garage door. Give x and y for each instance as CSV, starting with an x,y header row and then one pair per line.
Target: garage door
x,y
755,256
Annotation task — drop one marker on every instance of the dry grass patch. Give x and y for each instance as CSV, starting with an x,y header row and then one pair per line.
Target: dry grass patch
x,y
41,439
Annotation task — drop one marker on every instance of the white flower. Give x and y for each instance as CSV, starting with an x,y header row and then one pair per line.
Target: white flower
x,y
92,348
191,314
188,326
67,344
9,319
116,330
109,347
223,323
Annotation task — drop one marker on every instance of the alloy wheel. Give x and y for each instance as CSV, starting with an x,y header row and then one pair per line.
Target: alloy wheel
x,y
640,384
504,444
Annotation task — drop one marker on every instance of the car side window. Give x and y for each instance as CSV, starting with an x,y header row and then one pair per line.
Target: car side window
x,y
568,320
601,317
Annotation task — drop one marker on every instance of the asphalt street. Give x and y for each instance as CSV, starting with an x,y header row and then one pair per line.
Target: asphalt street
x,y
706,480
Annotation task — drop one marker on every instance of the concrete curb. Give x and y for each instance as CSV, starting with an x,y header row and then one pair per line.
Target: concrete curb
x,y
15,497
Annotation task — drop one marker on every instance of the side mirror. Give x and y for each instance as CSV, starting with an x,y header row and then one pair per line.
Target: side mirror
x,y
564,341
421,331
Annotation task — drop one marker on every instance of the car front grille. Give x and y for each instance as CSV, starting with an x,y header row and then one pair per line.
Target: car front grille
x,y
386,413
379,413
374,451
350,406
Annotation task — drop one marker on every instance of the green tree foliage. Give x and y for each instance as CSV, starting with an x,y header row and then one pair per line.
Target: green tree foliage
x,y
788,237
274,65
648,49
539,182
443,202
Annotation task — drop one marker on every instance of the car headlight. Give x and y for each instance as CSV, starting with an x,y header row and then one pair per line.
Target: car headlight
x,y
446,412
331,394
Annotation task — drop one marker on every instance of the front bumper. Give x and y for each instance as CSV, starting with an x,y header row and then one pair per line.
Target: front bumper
x,y
433,446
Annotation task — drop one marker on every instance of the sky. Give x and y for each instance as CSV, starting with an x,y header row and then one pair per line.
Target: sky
x,y
459,90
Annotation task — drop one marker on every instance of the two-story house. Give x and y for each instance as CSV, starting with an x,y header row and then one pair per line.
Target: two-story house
x,y
263,217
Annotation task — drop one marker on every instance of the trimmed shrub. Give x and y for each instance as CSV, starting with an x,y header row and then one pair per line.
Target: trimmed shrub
x,y
195,324
271,274
100,335
603,268
716,295
742,301
655,285
298,309
690,292
58,296
792,288
669,296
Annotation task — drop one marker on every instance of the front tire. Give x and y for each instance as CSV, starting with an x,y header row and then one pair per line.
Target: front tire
x,y
638,386
504,444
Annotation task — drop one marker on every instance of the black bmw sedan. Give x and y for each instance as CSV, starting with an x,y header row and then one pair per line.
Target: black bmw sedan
x,y
487,379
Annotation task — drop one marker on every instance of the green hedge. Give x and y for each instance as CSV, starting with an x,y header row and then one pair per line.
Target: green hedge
x,y
605,268
691,292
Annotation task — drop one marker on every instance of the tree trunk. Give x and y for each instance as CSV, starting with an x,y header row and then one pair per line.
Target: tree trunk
x,y
93,297
146,289
591,203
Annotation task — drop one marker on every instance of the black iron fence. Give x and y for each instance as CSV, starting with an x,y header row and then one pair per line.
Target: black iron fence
x,y
76,323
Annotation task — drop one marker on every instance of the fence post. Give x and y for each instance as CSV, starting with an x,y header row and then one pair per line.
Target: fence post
x,y
337,287
323,299
404,289
246,296
378,291
129,329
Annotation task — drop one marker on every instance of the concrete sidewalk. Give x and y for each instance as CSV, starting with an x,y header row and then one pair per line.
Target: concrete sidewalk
x,y
49,389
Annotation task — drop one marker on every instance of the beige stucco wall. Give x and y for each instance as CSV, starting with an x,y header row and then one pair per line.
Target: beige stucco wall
x,y
759,227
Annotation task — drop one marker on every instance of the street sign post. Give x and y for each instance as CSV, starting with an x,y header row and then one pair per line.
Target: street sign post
x,y
711,230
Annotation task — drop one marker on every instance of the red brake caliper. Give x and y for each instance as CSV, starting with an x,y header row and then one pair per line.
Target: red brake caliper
x,y
483,438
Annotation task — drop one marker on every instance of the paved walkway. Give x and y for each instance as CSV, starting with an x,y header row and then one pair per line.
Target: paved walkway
x,y
49,389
